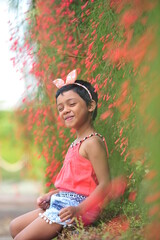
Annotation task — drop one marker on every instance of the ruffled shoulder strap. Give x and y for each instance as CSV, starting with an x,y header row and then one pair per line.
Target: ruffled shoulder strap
x,y
91,135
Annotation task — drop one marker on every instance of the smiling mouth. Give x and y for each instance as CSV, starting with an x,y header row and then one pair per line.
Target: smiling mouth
x,y
69,118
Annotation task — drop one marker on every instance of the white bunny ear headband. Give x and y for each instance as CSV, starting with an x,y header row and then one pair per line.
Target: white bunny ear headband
x,y
70,79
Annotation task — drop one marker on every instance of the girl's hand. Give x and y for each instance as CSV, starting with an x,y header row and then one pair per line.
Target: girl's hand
x,y
69,213
44,201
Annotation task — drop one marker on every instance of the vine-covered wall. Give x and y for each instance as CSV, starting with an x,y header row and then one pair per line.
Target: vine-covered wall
x,y
114,45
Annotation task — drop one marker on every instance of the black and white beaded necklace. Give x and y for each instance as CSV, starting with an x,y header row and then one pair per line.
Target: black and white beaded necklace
x,y
90,135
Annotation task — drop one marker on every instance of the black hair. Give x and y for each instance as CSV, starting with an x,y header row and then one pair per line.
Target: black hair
x,y
82,93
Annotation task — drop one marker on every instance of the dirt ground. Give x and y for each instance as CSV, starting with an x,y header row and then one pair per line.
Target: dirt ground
x,y
16,199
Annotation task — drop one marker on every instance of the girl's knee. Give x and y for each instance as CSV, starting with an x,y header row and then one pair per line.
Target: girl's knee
x,y
17,238
13,228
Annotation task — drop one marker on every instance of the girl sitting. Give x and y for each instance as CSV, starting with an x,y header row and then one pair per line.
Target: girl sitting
x,y
81,185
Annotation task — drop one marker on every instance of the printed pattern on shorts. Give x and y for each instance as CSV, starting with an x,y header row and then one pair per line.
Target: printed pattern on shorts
x,y
58,201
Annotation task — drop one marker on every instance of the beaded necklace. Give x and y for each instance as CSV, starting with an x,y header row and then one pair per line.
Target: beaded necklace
x,y
90,135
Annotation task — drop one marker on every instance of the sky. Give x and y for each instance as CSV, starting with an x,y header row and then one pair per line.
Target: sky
x,y
11,87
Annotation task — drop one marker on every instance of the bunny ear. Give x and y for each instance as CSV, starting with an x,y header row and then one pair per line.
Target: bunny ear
x,y
71,77
59,82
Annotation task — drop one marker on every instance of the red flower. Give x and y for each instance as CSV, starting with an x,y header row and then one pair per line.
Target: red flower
x,y
90,46
132,196
131,175
117,225
117,187
129,18
82,7
106,114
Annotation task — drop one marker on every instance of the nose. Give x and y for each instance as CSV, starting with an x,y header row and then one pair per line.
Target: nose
x,y
66,110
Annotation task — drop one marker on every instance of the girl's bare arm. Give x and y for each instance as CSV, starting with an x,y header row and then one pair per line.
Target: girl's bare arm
x,y
96,152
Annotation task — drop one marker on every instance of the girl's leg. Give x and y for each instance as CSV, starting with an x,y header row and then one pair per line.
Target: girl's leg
x,y
39,230
19,223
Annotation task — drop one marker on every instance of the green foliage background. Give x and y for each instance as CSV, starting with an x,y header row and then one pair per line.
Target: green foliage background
x,y
14,144
115,46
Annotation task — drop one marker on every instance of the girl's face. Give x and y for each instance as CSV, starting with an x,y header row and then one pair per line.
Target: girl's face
x,y
73,110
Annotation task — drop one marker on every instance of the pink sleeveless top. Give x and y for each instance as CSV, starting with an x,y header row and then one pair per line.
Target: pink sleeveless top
x,y
77,174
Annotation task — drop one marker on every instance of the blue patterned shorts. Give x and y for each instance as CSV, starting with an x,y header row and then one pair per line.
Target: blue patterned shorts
x,y
58,201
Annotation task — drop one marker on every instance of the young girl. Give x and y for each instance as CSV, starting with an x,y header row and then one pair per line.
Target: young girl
x,y
81,185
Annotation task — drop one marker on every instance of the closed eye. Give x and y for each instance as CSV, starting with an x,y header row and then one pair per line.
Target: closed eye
x,y
72,104
60,109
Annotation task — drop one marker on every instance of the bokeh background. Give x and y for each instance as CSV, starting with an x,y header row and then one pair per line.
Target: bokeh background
x,y
114,44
